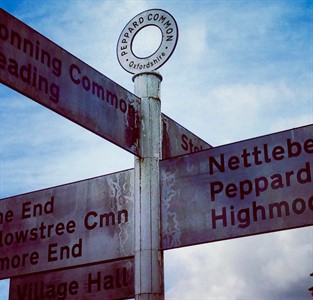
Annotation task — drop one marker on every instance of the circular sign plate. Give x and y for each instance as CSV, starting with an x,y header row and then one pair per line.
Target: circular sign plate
x,y
152,17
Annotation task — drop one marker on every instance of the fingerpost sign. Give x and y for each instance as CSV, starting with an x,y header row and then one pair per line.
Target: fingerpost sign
x,y
41,70
245,188
79,223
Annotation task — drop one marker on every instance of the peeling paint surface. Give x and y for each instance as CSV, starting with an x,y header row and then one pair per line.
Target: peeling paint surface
x,y
75,90
93,219
250,187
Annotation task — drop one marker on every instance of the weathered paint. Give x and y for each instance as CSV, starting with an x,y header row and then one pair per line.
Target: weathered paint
x,y
250,187
148,254
53,77
91,220
111,280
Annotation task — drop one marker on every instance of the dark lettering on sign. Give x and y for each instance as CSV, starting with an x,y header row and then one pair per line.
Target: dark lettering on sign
x,y
93,219
98,281
41,290
259,156
139,66
29,210
188,145
42,232
243,218
31,49
261,184
56,252
30,75
6,217
18,260
96,89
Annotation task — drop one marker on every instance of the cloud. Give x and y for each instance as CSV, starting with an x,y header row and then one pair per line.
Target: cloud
x,y
194,42
258,267
246,106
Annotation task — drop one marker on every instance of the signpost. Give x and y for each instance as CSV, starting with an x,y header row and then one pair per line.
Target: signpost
x,y
104,237
112,280
79,223
250,187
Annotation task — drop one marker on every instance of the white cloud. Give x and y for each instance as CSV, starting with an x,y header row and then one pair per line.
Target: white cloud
x,y
194,44
246,106
248,268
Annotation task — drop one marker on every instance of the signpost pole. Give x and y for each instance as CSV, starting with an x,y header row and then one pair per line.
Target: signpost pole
x,y
149,271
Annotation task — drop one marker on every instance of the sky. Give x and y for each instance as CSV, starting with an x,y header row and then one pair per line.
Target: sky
x,y
241,69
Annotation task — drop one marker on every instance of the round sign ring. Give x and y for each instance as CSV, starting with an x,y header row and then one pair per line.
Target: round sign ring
x,y
152,17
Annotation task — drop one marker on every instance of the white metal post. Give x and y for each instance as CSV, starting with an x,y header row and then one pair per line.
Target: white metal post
x,y
149,271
